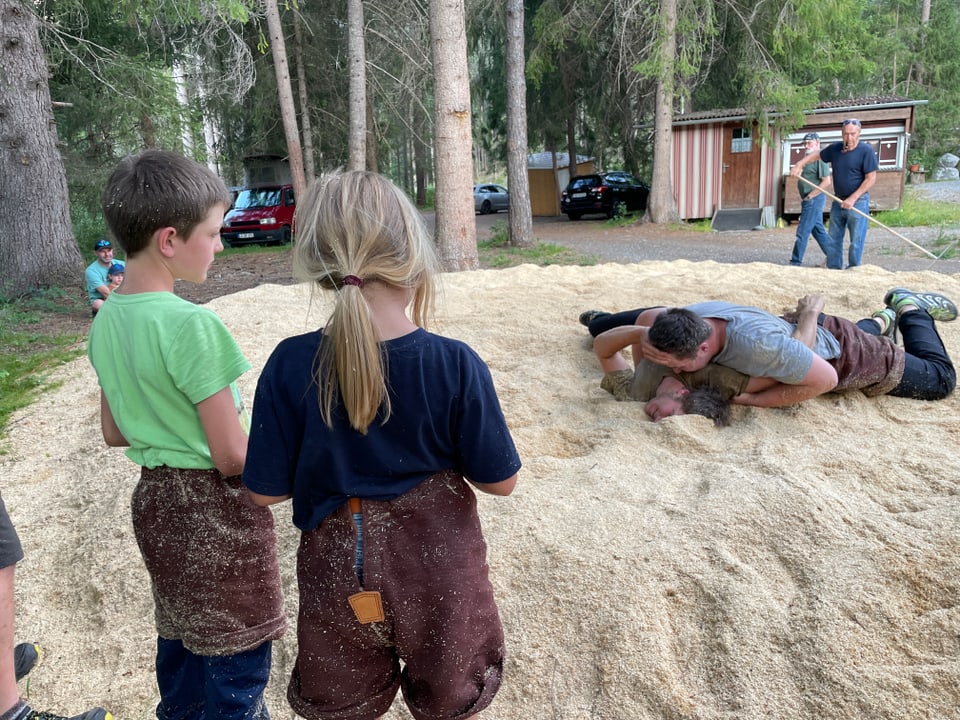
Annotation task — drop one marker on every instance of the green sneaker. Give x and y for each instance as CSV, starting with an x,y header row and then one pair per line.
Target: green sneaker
x,y
25,657
939,306
889,316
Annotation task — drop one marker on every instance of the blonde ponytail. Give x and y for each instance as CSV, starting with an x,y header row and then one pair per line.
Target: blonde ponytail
x,y
359,227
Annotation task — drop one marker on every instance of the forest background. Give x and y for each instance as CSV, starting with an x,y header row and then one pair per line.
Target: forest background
x,y
220,79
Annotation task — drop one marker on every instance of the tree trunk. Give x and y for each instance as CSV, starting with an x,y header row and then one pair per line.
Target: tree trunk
x,y
661,207
456,230
309,169
520,217
420,149
288,113
357,61
37,247
371,136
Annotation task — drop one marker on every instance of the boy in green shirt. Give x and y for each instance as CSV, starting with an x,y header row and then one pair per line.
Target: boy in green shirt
x,y
167,371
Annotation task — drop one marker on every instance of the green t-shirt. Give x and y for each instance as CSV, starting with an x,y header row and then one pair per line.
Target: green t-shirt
x,y
815,172
156,357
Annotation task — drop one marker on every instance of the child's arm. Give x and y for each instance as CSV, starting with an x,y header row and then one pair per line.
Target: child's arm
x,y
264,500
225,437
502,488
111,433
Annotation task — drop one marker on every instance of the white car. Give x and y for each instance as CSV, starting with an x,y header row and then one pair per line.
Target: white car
x,y
489,198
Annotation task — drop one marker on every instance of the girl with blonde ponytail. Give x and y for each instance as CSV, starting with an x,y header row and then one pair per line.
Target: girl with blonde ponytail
x,y
378,430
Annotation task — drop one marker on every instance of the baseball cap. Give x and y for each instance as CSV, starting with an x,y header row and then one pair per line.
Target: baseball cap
x,y
115,269
101,244
811,136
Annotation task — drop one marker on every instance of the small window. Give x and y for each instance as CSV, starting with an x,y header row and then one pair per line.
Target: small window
x,y
742,141
887,151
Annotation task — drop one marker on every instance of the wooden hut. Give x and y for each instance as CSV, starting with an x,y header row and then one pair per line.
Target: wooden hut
x,y
548,173
721,164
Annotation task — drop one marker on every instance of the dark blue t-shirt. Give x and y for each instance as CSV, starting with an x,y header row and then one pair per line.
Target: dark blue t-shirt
x,y
849,168
445,415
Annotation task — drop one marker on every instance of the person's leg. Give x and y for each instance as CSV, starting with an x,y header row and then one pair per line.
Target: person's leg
x,y
837,227
11,706
9,694
11,553
871,326
804,226
857,225
928,374
180,678
604,321
235,685
818,231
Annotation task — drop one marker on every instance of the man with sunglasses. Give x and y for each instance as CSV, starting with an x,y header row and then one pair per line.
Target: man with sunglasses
x,y
854,166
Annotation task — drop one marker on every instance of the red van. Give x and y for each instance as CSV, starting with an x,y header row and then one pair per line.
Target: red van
x,y
262,214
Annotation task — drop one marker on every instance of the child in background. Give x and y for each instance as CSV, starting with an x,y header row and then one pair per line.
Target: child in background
x,y
167,370
377,429
115,276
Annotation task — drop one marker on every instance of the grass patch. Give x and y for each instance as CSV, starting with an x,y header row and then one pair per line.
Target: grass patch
x,y
946,245
497,252
916,212
703,225
27,354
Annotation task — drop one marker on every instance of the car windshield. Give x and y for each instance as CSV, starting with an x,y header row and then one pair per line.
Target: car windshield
x,y
257,198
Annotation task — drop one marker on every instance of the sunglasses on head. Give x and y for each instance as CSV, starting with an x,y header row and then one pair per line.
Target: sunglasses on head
x,y
852,121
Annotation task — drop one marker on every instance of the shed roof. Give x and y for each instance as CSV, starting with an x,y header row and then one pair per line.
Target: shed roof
x,y
829,106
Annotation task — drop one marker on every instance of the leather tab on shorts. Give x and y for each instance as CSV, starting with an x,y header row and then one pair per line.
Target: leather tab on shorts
x,y
367,606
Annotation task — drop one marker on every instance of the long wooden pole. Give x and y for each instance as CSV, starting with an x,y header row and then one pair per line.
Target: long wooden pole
x,y
858,211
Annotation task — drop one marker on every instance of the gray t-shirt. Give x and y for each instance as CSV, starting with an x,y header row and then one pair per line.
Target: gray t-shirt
x,y
759,344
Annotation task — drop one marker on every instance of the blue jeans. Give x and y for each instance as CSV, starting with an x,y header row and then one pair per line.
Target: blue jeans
x,y
811,221
195,687
842,220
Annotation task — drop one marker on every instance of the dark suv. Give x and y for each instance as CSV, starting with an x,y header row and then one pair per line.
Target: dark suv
x,y
607,193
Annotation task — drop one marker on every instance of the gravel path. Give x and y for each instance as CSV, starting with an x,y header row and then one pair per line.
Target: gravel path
x,y
640,242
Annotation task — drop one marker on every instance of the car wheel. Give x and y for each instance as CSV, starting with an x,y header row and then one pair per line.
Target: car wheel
x,y
485,208
286,236
573,215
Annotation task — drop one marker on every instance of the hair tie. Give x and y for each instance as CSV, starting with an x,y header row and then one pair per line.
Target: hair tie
x,y
352,280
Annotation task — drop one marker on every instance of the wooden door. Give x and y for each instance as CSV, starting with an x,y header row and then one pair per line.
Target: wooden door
x,y
740,182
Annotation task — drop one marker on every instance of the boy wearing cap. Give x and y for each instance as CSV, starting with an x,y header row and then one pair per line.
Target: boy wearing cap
x,y
812,201
168,373
115,276
98,287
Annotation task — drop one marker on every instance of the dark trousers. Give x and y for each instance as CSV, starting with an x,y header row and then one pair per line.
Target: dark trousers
x,y
608,321
211,687
928,373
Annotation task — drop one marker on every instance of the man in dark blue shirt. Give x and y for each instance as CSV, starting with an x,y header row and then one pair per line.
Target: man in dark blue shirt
x,y
854,166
